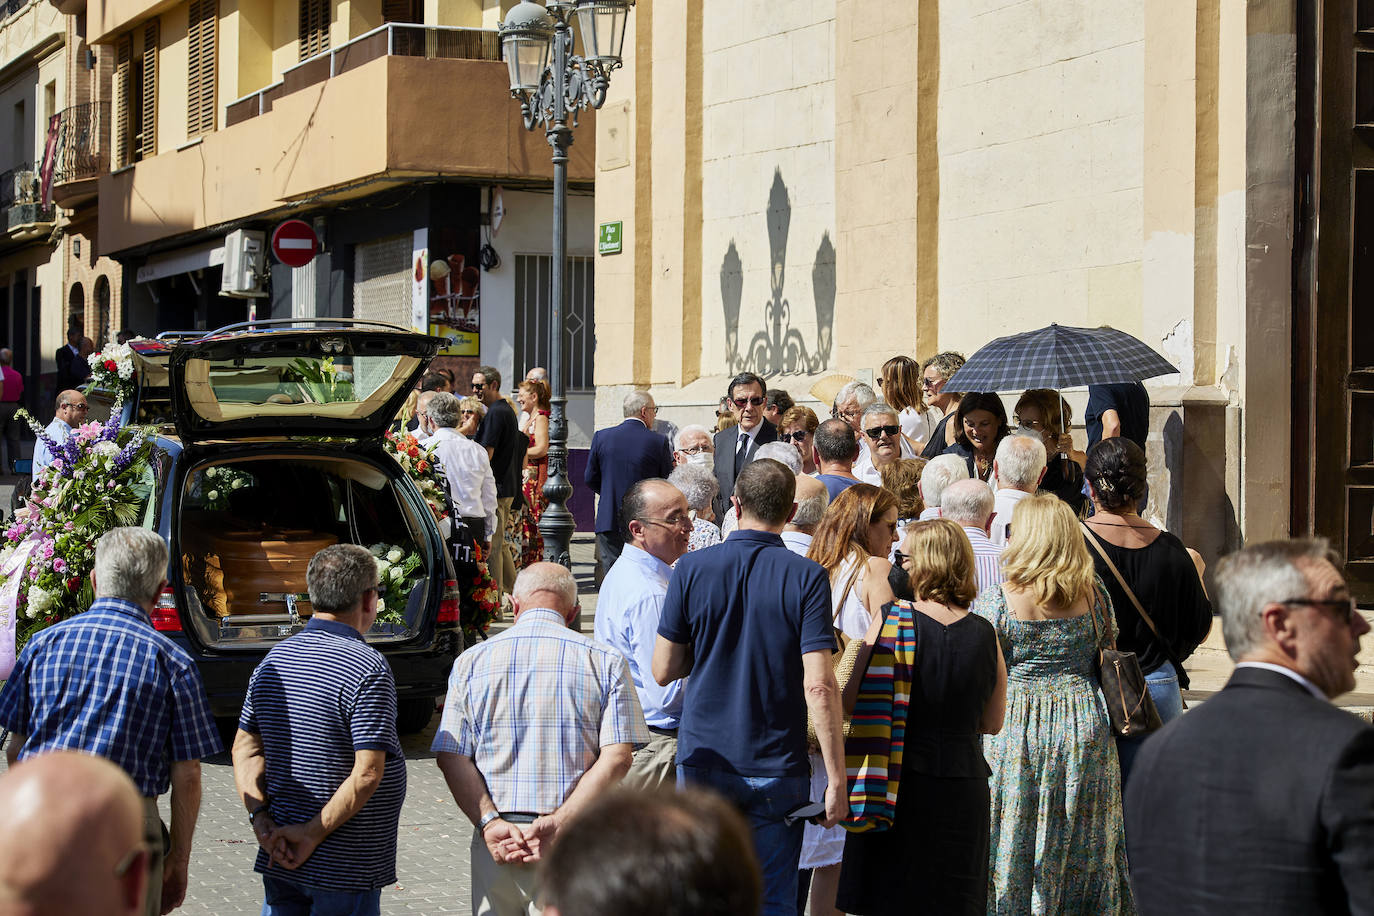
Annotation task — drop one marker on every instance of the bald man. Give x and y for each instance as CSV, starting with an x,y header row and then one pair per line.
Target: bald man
x,y
73,838
71,410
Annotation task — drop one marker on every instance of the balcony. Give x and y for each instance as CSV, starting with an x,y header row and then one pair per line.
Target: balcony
x,y
82,153
26,216
388,115
395,39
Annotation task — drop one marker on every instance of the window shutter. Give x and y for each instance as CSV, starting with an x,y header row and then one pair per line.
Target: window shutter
x,y
314,27
401,11
201,36
148,140
123,90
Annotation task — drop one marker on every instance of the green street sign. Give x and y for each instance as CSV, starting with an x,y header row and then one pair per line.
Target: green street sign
x,y
608,241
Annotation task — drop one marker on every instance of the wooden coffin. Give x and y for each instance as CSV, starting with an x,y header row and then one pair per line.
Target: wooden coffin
x,y
237,567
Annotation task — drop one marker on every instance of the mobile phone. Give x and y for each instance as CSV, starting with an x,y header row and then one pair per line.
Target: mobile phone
x,y
806,811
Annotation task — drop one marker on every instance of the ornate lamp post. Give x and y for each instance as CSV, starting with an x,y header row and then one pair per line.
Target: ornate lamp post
x,y
550,93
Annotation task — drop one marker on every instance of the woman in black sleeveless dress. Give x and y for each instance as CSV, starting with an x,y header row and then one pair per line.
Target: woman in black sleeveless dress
x,y
934,858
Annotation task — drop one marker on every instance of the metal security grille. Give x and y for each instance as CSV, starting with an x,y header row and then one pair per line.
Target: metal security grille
x,y
533,285
381,280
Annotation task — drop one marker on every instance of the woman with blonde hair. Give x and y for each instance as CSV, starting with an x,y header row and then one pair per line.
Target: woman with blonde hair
x,y
935,374
1058,845
851,543
934,857
901,386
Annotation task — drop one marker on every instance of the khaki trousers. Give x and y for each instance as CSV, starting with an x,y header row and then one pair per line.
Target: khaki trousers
x,y
655,764
502,564
501,890
152,835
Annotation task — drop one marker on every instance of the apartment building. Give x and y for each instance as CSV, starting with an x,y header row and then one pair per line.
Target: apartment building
x,y
385,125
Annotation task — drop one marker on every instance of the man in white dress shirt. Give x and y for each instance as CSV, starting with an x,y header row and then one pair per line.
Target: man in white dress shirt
x,y
811,500
942,471
471,485
657,529
1017,468
968,503
881,449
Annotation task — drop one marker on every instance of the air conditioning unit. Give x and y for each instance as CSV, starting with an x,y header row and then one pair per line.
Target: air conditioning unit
x,y
244,255
25,186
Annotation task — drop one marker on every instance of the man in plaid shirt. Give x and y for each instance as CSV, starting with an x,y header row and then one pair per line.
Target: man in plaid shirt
x,y
538,721
106,683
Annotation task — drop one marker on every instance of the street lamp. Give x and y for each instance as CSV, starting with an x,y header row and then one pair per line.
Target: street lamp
x,y
550,92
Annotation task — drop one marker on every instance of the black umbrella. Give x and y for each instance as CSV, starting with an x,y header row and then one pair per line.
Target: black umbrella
x,y
1059,357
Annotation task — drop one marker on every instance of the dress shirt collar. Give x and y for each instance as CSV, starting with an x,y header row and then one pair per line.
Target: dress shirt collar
x,y
445,432
334,627
122,606
799,542
646,561
637,420
979,539
1289,673
751,435
1011,494
538,615
929,513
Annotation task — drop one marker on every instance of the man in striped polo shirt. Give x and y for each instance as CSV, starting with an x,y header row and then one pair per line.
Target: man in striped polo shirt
x,y
969,504
319,721
537,722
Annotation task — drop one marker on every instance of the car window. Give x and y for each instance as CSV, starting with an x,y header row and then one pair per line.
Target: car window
x,y
340,387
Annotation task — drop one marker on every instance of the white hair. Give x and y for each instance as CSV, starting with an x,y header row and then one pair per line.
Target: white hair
x,y
687,430
942,471
698,485
547,577
856,391
1020,459
877,408
967,502
782,452
811,509
1252,578
130,563
635,402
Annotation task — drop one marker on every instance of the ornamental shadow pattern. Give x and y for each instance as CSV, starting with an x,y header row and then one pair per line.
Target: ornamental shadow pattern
x,y
778,348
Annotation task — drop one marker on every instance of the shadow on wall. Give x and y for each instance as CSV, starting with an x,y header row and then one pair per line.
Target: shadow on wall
x,y
1198,508
778,348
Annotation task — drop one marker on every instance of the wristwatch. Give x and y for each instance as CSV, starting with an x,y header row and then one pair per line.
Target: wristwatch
x,y
487,819
253,815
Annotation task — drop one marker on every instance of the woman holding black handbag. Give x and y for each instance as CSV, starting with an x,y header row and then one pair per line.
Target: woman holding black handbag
x,y
1154,581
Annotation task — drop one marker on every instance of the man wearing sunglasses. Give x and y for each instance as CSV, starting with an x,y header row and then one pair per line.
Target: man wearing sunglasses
x,y
71,412
879,426
735,446
1262,798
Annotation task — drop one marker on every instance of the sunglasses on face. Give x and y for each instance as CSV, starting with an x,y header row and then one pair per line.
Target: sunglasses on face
x,y
742,403
877,432
930,382
798,436
478,386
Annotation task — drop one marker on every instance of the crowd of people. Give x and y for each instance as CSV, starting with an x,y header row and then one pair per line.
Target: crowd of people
x,y
712,746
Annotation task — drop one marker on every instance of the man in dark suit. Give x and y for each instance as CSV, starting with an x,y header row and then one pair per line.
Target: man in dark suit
x,y
72,367
735,446
1261,800
621,457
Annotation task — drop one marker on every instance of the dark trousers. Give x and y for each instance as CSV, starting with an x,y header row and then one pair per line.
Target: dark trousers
x,y
610,543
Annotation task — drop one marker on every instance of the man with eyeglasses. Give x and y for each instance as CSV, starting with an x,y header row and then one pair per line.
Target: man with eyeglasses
x,y
619,458
317,761
1262,798
693,445
657,530
73,838
736,445
879,425
71,412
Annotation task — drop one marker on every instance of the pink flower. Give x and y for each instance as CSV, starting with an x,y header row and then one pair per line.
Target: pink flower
x,y
59,565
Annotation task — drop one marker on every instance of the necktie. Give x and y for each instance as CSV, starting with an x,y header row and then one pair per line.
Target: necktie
x,y
740,452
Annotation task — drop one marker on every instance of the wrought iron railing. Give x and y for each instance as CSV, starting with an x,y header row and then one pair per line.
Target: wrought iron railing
x,y
83,142
21,198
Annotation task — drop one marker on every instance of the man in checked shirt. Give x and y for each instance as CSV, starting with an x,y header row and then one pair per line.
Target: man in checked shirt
x,y
537,722
106,683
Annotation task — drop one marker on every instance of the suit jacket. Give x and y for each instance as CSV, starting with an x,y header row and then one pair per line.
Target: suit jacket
x,y
621,457
72,370
727,440
1259,801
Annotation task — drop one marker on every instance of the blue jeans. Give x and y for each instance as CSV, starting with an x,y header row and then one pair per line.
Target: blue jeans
x,y
764,800
284,898
1163,687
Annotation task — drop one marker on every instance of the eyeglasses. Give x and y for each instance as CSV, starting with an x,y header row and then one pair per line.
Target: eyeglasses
x,y
900,557
845,415
695,450
79,408
877,432
478,386
469,413
742,403
1343,607
797,436
676,521
930,382
1037,425
122,867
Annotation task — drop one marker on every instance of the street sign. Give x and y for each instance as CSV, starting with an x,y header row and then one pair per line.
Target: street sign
x,y
294,243
608,242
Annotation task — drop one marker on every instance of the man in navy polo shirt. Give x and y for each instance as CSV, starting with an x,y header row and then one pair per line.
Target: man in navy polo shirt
x,y
750,621
319,722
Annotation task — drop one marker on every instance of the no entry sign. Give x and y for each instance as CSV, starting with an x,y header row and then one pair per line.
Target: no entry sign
x,y
294,243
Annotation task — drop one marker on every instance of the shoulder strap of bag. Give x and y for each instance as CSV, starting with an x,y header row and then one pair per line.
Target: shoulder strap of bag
x,y
1144,615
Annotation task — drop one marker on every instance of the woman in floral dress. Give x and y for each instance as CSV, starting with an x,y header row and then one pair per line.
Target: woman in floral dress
x,y
533,397
1058,845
